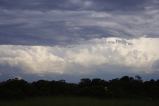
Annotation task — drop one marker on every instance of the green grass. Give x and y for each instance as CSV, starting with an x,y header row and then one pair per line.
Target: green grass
x,y
78,101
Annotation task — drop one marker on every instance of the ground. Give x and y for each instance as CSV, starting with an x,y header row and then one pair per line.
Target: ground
x,y
79,101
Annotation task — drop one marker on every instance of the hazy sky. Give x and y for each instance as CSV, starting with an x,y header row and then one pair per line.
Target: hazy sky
x,y
72,39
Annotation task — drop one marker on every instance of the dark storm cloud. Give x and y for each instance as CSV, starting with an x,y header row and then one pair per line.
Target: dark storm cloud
x,y
45,22
100,5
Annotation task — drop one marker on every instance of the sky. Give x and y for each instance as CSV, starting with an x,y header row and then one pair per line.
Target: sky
x,y
74,39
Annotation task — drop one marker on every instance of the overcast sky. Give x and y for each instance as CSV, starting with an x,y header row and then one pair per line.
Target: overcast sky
x,y
72,39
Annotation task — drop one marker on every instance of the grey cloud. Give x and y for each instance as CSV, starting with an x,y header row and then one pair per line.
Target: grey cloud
x,y
156,65
97,5
45,22
63,27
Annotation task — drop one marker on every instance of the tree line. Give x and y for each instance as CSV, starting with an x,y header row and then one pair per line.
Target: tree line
x,y
124,87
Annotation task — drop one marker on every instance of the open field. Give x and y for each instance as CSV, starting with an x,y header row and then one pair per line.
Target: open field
x,y
78,101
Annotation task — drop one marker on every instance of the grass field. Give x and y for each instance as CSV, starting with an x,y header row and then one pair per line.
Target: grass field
x,y
78,101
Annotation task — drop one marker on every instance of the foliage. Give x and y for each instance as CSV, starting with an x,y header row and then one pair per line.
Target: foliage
x,y
125,87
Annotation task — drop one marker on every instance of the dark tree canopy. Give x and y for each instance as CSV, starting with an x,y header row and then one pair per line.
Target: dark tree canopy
x,y
124,87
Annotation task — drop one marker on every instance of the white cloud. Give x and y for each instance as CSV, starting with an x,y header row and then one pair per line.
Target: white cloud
x,y
139,55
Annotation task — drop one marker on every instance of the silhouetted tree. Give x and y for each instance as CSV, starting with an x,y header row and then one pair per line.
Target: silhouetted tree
x,y
124,87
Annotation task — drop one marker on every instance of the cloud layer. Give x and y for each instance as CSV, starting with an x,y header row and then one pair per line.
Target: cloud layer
x,y
41,22
78,38
109,55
